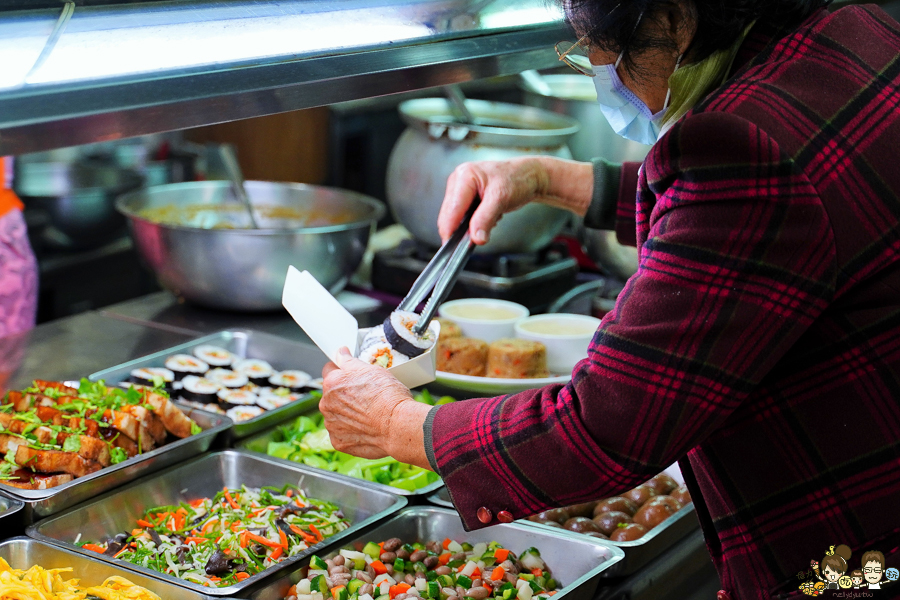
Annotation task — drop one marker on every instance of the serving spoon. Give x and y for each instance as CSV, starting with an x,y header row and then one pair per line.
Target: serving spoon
x,y
226,151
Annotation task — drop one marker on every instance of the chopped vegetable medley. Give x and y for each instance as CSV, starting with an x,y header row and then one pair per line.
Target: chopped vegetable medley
x,y
448,570
226,539
307,441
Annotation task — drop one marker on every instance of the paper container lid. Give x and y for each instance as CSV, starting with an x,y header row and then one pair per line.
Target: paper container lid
x,y
331,327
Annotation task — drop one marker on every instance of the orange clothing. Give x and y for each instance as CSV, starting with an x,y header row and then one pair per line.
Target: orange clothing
x,y
8,198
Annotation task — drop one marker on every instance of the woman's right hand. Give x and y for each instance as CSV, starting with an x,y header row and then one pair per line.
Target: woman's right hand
x,y
505,186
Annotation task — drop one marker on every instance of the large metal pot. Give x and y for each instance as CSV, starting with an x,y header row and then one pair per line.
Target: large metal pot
x,y
575,96
434,144
237,267
78,197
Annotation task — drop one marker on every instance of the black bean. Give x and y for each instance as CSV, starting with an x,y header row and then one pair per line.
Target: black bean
x,y
478,593
392,544
338,560
431,562
387,557
403,553
418,556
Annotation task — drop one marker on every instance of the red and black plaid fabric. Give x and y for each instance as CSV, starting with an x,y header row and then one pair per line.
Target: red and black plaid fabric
x,y
759,342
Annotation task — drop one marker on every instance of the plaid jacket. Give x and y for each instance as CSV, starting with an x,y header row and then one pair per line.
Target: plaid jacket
x,y
759,342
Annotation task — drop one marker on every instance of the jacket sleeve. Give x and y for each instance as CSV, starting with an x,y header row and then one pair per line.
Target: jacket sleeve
x,y
738,261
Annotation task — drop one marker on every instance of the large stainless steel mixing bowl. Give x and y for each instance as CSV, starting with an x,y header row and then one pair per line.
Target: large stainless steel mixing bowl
x,y
244,269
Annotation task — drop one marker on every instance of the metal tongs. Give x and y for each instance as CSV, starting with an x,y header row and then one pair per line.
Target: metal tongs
x,y
441,273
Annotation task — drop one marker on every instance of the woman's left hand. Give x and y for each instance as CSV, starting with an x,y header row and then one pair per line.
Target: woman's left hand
x,y
369,413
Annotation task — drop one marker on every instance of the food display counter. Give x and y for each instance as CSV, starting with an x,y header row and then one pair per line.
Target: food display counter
x,y
77,346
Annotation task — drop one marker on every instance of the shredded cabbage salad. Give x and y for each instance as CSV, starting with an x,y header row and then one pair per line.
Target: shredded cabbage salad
x,y
223,540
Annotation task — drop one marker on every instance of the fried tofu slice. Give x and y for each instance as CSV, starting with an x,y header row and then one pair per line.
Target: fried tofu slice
x,y
175,421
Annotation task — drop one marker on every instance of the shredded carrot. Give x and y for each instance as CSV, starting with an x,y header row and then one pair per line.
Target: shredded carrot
x,y
196,503
241,576
289,493
231,501
214,578
123,550
196,540
94,548
208,525
497,573
316,532
446,543
243,539
276,554
144,523
284,540
262,540
136,532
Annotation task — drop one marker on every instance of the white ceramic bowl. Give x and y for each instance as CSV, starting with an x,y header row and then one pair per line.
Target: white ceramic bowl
x,y
484,318
566,336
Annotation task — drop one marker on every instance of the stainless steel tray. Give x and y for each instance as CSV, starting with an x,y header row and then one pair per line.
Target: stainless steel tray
x,y
260,443
12,516
23,553
576,563
279,352
637,553
41,503
117,511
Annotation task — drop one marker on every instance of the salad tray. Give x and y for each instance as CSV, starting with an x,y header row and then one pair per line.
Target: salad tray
x,y
260,443
23,553
117,511
12,513
576,563
279,352
42,503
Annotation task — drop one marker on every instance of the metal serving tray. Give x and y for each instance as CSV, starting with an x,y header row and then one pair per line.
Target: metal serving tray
x,y
12,516
576,563
41,503
280,353
637,553
117,511
260,443
23,553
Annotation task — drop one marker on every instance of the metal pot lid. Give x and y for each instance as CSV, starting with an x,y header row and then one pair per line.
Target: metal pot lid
x,y
496,123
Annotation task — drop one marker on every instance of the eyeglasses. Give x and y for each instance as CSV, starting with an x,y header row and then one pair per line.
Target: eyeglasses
x,y
576,54
871,570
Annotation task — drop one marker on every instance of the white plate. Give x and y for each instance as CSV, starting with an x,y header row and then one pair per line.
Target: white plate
x,y
494,386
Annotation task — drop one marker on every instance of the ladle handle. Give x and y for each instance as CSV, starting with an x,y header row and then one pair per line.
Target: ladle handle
x,y
237,180
458,104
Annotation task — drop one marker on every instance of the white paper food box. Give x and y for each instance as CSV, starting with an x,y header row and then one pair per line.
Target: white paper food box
x,y
331,327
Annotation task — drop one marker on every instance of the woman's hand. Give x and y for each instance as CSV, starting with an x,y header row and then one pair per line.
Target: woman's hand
x,y
505,186
369,413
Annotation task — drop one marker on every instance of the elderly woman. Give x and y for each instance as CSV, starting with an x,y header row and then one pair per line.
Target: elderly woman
x,y
759,342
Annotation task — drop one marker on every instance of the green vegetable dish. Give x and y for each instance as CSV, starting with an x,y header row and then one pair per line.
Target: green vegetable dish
x,y
448,570
306,441
223,540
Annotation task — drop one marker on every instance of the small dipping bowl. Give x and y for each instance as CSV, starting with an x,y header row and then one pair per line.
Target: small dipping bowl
x,y
484,318
566,336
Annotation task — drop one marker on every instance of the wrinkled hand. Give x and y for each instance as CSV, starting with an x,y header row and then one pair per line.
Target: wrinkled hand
x,y
503,187
360,402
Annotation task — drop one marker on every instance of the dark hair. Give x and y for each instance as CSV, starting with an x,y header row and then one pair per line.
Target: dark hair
x,y
856,573
873,556
719,22
837,559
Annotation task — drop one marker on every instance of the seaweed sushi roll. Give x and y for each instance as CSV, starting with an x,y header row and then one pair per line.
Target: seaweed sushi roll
x,y
234,398
271,400
215,356
398,330
293,380
199,389
228,378
153,377
257,370
183,365
383,355
213,408
243,413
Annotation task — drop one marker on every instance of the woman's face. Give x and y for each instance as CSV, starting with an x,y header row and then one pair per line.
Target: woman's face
x,y
830,574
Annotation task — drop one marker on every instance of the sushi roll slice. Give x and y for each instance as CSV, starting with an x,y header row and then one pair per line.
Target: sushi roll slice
x,y
153,377
272,400
183,365
199,389
215,356
228,378
293,380
213,408
234,398
316,384
374,336
398,330
243,413
383,355
257,370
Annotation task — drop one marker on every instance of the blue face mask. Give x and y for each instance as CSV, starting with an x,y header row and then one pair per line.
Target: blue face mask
x,y
627,114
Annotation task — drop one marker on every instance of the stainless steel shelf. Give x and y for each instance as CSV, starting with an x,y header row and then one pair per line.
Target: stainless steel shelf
x,y
125,70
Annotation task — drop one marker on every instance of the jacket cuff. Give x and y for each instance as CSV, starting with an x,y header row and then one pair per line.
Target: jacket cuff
x,y
601,214
427,428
